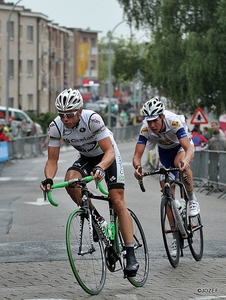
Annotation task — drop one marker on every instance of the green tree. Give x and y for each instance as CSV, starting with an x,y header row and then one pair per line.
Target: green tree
x,y
187,55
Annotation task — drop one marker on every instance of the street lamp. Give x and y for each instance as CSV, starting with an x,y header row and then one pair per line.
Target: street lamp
x,y
8,65
109,72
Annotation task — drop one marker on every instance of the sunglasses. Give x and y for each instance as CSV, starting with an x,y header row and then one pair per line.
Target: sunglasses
x,y
68,115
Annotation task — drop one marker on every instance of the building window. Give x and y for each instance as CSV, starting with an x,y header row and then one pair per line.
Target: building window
x,y
20,67
30,101
30,34
93,43
11,68
93,64
11,101
30,68
11,30
21,31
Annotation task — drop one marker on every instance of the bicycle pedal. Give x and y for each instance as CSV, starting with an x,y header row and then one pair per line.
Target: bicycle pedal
x,y
129,274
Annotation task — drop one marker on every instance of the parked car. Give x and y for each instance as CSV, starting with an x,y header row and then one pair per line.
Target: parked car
x,y
104,104
93,106
16,116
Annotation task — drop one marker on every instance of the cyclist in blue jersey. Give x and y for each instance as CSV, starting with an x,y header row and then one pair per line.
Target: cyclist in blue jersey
x,y
98,155
170,133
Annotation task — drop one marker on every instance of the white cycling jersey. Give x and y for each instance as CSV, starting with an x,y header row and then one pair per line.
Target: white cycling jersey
x,y
175,129
84,137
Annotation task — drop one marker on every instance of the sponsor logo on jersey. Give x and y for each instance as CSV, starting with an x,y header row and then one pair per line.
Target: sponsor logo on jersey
x,y
67,131
145,129
176,123
82,129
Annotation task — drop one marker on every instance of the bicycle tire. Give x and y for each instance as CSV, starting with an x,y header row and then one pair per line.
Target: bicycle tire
x,y
140,249
195,242
90,268
169,235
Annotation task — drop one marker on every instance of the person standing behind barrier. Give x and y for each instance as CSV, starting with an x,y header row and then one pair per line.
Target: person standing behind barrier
x,y
216,126
3,137
198,139
206,133
217,142
23,128
166,130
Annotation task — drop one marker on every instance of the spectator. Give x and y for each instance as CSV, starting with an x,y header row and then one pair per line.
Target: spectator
x,y
198,139
216,126
123,118
23,129
206,133
3,137
217,142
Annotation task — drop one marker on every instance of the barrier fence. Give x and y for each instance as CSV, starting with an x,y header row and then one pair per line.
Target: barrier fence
x,y
208,169
34,146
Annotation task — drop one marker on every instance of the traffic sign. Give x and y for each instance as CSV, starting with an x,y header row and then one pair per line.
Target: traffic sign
x,y
199,117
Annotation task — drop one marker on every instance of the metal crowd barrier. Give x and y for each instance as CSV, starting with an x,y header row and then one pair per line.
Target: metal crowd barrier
x,y
208,169
28,147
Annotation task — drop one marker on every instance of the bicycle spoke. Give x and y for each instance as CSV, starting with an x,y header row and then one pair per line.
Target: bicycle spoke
x,y
170,233
141,253
86,258
196,240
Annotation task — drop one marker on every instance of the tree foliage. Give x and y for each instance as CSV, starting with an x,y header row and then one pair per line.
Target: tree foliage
x,y
186,57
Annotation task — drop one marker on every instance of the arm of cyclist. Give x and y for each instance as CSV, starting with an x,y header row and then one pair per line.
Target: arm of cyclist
x,y
98,171
188,155
138,153
50,168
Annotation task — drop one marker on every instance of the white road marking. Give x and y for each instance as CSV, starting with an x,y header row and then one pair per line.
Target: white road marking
x,y
5,178
39,202
126,297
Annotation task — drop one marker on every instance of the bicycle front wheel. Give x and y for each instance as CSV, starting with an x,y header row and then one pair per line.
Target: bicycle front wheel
x,y
195,242
170,233
140,250
88,263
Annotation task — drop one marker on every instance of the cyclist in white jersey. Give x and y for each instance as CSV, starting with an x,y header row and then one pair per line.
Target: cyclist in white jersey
x,y
168,131
99,156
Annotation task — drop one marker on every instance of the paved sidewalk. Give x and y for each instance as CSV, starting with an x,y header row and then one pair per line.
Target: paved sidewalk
x,y
191,280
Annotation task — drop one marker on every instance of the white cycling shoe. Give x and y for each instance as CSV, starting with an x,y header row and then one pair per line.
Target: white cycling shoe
x,y
194,208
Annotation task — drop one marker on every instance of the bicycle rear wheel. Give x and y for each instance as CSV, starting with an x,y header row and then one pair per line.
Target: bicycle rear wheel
x,y
195,242
141,252
170,233
88,265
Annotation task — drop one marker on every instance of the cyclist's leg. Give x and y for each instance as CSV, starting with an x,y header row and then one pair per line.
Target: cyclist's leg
x,y
126,228
167,158
194,208
115,181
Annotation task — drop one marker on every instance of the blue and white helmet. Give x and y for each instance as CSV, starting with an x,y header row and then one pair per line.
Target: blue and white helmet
x,y
152,109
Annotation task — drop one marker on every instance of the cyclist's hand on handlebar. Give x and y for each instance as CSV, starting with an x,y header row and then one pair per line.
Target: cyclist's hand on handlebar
x,y
98,173
184,166
139,172
46,184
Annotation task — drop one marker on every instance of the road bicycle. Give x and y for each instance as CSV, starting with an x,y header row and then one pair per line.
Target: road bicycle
x,y
92,249
176,224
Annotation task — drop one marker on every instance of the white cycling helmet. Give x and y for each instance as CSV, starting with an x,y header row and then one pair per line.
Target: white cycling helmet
x,y
69,99
152,109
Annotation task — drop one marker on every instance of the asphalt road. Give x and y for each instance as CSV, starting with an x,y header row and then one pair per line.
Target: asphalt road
x,y
33,259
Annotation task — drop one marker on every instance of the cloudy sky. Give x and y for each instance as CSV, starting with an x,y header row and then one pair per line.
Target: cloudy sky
x,y
98,15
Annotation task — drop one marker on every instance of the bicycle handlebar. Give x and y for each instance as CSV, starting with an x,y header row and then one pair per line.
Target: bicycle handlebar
x,y
161,170
73,183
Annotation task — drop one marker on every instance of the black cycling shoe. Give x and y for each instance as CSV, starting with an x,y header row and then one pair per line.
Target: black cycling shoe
x,y
132,265
95,235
